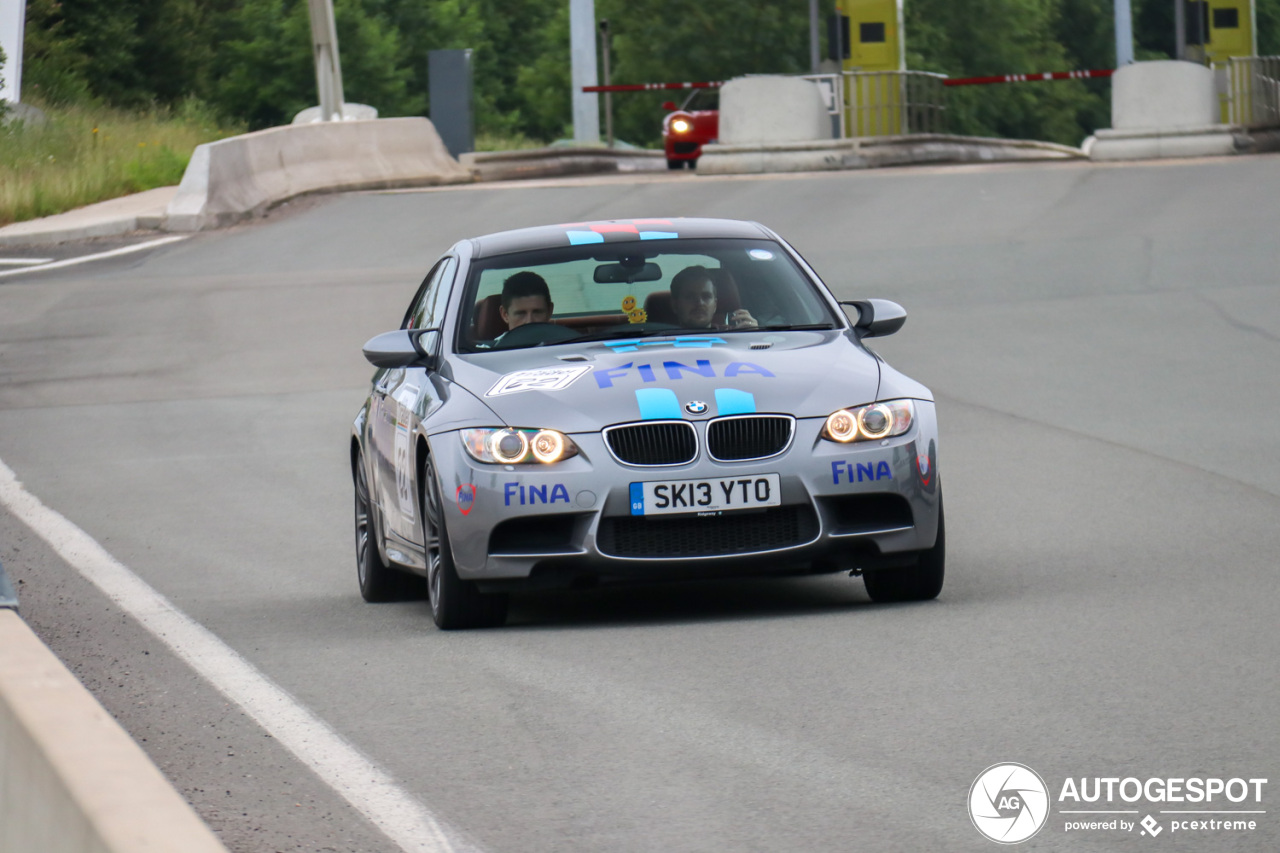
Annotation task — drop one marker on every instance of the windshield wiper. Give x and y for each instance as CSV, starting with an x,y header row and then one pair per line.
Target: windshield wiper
x,y
633,333
786,327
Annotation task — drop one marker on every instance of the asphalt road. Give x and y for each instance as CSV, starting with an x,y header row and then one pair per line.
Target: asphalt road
x,y
1103,341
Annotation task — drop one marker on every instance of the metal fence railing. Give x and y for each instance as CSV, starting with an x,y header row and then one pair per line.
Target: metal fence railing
x,y
885,103
889,103
1253,91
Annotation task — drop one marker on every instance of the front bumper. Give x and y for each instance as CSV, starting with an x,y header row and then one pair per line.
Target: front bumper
x,y
843,506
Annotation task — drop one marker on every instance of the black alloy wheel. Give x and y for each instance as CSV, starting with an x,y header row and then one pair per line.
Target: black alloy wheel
x,y
455,604
921,582
378,581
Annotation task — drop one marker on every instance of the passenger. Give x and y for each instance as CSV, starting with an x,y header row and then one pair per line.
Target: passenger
x,y
693,301
525,299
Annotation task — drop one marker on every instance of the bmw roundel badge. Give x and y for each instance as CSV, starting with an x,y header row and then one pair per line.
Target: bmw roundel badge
x,y
695,407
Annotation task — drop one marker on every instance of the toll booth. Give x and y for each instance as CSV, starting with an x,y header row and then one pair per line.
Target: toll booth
x,y
1216,30
866,36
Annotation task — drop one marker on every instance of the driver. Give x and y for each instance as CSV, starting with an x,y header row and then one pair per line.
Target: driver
x,y
693,300
525,299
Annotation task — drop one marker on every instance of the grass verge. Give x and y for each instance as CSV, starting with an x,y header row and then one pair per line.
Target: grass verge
x,y
84,154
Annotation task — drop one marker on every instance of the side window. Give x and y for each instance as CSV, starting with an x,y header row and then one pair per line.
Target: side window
x,y
428,306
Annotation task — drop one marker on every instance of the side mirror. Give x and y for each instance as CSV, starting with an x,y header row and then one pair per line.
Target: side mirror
x,y
404,348
877,317
669,106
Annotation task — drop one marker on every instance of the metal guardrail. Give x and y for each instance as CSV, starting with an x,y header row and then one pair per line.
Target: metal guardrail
x,y
1253,91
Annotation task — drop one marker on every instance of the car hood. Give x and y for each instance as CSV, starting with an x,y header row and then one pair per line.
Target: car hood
x,y
583,387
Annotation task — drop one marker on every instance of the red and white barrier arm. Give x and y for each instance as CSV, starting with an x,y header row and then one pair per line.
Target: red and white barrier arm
x,y
649,87
1027,78
950,81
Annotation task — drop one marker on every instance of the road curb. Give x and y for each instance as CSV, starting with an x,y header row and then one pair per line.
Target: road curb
x,y
559,162
872,152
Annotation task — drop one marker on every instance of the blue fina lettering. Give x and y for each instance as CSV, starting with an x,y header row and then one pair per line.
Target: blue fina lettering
x,y
738,367
677,370
529,495
604,378
673,369
859,473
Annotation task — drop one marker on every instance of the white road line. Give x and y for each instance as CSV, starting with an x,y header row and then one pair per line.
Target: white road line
x,y
23,262
337,762
84,259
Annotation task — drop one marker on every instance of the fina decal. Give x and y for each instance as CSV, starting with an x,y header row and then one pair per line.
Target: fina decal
x,y
538,379
466,497
862,471
677,370
526,495
922,462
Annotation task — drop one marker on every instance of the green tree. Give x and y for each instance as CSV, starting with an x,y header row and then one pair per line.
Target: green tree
x,y
264,72
989,37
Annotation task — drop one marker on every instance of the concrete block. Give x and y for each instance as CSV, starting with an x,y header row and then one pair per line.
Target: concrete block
x,y
1165,94
769,109
71,780
234,178
1154,143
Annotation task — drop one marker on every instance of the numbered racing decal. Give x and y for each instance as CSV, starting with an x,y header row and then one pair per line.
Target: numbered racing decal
x,y
404,490
538,379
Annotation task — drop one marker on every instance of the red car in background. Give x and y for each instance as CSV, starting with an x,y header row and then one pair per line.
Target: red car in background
x,y
686,129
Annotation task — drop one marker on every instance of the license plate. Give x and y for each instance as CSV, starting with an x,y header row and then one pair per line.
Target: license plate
x,y
661,497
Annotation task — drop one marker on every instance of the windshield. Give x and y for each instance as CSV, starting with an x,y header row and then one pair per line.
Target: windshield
x,y
597,292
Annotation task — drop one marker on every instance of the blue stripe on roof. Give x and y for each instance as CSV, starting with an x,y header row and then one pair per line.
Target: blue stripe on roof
x,y
578,238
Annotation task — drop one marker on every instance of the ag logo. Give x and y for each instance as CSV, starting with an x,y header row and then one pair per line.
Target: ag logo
x,y
1008,803
695,407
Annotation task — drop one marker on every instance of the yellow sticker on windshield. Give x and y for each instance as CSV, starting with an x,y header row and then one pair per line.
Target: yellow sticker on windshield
x,y
639,315
628,304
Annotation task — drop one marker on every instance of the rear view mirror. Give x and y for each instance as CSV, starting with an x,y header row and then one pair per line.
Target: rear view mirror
x,y
877,317
618,273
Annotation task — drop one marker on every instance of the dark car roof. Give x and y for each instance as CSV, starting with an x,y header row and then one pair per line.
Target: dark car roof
x,y
612,231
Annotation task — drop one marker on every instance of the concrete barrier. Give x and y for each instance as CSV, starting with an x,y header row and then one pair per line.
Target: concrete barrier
x,y
1161,109
872,152
71,780
1164,94
772,109
234,178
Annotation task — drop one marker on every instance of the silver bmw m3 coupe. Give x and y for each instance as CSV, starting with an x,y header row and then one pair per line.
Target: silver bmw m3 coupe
x,y
638,400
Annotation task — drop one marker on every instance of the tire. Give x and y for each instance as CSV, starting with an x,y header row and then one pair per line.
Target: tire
x,y
455,604
921,582
675,164
378,581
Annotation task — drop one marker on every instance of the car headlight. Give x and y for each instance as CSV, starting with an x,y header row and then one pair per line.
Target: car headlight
x,y
869,423
510,446
680,126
